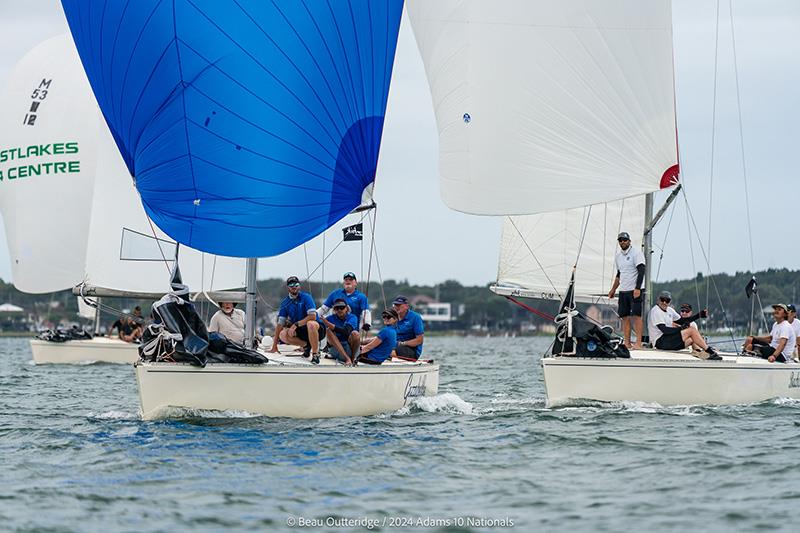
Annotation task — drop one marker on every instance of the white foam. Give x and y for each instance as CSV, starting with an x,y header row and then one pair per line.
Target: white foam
x,y
792,402
113,415
185,412
447,402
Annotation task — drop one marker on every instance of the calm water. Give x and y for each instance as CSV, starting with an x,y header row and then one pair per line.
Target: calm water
x,y
75,456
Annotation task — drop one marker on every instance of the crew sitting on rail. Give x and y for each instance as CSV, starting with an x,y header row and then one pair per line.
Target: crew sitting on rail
x,y
668,331
379,348
795,325
355,299
127,329
689,319
339,329
228,321
297,321
410,330
779,344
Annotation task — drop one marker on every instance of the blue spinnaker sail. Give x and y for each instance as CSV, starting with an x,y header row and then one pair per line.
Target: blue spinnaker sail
x,y
250,126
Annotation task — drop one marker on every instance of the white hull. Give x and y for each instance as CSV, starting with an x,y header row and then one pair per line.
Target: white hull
x,y
669,378
96,350
288,388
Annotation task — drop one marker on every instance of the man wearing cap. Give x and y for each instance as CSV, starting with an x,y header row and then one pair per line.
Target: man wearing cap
x,y
630,282
410,330
669,332
338,330
355,299
228,321
297,321
795,325
379,348
689,320
779,344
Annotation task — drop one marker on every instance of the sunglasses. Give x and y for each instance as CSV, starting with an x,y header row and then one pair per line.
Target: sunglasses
x,y
665,300
386,317
339,307
293,285
623,240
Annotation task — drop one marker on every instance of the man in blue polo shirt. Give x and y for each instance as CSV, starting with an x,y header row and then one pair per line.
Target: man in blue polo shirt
x,y
338,329
357,301
297,321
410,330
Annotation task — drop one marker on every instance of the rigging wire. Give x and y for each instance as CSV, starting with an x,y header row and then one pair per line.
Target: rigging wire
x,y
158,243
713,143
741,138
705,258
525,242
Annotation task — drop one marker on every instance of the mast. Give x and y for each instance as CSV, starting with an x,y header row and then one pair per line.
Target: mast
x,y
648,256
96,325
250,302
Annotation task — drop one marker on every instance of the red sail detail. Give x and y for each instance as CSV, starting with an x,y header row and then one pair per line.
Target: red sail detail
x,y
670,177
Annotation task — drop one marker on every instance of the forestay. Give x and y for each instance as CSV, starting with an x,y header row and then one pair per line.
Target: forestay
x,y
249,127
544,106
538,252
48,124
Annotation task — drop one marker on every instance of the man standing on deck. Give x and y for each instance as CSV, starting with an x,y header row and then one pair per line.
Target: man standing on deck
x,y
630,282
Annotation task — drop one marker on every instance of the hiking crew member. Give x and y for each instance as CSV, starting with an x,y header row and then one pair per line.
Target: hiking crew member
x,y
668,331
780,343
297,321
379,348
229,322
127,329
795,326
410,330
338,330
630,282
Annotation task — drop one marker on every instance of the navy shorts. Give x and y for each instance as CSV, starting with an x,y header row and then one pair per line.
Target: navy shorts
x,y
671,341
628,305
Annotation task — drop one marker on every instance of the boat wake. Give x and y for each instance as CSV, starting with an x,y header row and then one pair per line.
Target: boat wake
x,y
113,415
184,413
447,402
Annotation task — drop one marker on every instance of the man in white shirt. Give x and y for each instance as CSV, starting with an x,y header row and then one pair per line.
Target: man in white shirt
x,y
779,344
795,326
630,282
668,331
228,321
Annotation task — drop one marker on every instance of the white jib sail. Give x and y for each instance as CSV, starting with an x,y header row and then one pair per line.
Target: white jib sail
x,y
537,252
48,123
543,106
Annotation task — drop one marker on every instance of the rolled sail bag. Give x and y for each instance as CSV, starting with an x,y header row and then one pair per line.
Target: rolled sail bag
x,y
180,335
223,350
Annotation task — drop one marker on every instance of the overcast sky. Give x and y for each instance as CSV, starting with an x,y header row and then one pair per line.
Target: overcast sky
x,y
420,239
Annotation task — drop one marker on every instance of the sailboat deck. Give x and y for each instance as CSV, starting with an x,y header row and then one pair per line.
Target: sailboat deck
x,y
289,355
654,356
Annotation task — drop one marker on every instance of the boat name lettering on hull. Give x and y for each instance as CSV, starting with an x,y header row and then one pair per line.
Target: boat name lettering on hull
x,y
415,390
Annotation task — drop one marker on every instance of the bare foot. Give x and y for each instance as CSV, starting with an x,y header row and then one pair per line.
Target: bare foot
x,y
636,346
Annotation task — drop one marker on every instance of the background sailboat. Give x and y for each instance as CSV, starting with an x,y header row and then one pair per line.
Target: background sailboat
x,y
250,129
81,226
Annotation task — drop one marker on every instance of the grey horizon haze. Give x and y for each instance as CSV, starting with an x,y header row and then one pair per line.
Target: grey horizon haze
x,y
418,238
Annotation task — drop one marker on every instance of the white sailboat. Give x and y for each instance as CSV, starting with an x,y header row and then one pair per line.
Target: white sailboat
x,y
268,120
561,116
80,224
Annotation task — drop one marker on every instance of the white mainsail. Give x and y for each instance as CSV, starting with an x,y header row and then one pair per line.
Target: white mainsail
x,y
543,106
538,252
48,126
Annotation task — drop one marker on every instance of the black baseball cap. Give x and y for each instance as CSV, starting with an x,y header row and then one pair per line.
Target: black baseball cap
x,y
792,308
623,236
349,275
665,295
291,280
400,300
390,312
686,307
338,303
